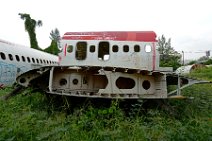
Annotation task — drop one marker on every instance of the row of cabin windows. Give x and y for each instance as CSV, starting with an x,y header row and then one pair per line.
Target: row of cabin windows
x,y
103,51
25,59
115,48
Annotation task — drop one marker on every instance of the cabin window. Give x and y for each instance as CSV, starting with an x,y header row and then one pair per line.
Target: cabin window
x,y
17,58
23,58
81,50
37,61
115,48
137,48
3,57
33,60
10,57
28,59
103,52
92,48
70,48
41,61
126,48
148,48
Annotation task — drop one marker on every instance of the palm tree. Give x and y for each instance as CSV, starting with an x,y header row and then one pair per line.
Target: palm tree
x,y
30,25
55,37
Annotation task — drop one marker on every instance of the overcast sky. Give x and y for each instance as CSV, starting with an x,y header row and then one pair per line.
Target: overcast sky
x,y
187,22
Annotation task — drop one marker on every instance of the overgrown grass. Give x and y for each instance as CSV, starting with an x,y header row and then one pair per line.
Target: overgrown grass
x,y
34,116
204,73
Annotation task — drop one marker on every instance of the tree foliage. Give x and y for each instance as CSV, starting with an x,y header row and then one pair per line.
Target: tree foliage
x,y
205,61
52,49
55,37
30,25
208,62
192,62
168,56
203,58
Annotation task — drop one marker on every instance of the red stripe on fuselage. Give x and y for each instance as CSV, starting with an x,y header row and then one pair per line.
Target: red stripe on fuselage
x,y
153,56
131,36
146,36
65,48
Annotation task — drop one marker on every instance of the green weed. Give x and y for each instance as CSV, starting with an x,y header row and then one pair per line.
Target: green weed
x,y
35,116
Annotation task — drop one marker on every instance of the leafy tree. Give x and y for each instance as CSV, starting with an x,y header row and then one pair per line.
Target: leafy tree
x,y
30,25
192,62
208,62
55,37
168,56
203,58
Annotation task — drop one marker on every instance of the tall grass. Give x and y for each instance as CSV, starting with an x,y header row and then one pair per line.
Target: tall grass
x,y
34,116
204,73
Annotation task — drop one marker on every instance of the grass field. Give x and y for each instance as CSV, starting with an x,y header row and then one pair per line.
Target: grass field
x,y
32,116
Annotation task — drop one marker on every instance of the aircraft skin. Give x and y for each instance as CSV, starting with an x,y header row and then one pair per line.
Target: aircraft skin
x,y
17,59
108,64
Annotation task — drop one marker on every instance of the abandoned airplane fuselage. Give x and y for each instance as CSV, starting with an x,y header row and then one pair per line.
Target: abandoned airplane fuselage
x,y
107,65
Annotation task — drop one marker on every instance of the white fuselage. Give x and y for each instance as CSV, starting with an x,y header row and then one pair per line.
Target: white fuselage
x,y
16,59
